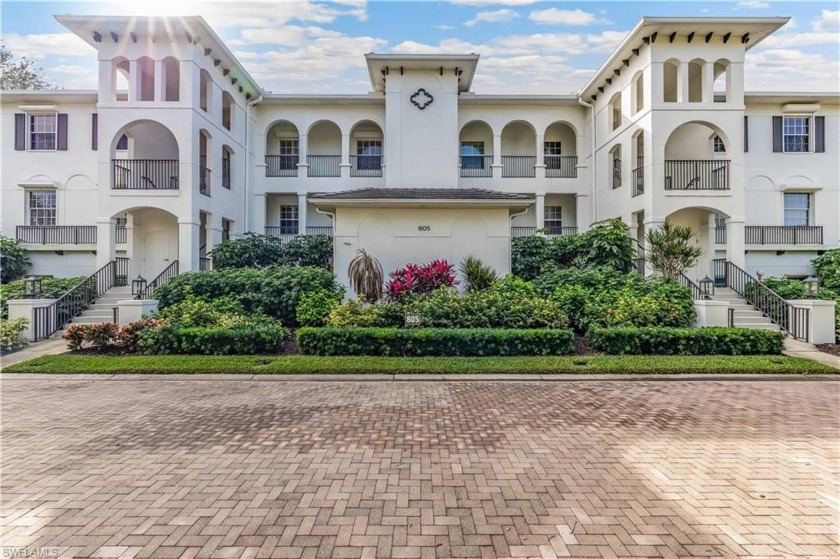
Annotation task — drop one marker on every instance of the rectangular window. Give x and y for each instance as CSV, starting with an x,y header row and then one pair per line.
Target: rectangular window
x,y
41,207
369,154
289,154
796,132
554,220
552,151
288,219
472,155
227,226
42,132
797,208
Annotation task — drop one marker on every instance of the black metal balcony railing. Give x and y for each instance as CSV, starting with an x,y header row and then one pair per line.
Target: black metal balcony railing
x,y
784,234
720,234
561,166
550,232
639,177
205,263
281,165
325,230
288,233
705,174
616,173
519,166
365,165
56,234
204,180
477,166
144,174
324,165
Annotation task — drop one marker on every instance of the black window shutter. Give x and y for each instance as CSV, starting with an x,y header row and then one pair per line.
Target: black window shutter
x,y
94,131
20,131
746,134
777,134
819,134
61,144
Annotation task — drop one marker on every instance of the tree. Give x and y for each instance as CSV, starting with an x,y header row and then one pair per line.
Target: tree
x,y
366,278
249,251
671,249
21,74
13,259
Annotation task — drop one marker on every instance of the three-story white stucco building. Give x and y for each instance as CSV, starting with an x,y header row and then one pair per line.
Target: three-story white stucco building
x,y
179,148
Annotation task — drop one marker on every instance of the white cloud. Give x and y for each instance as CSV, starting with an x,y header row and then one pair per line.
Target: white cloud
x,y
829,21
789,70
493,2
786,40
48,44
494,16
69,76
553,16
753,5
445,27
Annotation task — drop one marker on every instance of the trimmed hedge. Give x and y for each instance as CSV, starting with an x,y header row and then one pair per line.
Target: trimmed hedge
x,y
686,341
214,340
401,342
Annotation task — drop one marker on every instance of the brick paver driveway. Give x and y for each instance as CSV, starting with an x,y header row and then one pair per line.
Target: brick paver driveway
x,y
167,468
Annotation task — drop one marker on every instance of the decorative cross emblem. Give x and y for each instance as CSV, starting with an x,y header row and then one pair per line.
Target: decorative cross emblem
x,y
422,99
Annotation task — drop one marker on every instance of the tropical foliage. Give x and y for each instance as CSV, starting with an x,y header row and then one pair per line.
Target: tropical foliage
x,y
417,279
13,259
672,249
366,277
475,274
260,251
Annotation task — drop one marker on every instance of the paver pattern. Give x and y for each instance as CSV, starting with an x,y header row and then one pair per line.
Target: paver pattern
x,y
420,469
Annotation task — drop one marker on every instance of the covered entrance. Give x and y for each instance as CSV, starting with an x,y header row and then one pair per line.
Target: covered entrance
x,y
152,240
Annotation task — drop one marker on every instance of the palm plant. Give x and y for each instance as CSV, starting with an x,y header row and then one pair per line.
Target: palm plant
x,y
672,250
476,274
366,278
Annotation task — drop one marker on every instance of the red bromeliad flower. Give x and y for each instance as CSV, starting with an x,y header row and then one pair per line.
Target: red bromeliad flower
x,y
421,279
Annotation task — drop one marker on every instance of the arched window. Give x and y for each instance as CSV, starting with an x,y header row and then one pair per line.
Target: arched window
x,y
615,165
227,110
146,67
638,92
171,79
615,111
205,83
670,78
122,72
695,80
723,81
227,166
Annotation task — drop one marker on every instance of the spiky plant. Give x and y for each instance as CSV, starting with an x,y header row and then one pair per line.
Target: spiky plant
x,y
672,250
476,274
366,278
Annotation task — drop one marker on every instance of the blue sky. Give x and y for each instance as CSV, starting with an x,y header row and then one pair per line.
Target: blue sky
x,y
526,46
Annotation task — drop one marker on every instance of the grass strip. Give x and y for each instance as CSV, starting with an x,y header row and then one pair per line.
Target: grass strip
x,y
307,364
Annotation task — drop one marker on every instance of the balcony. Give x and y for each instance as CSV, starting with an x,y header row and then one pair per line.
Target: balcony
x,y
476,166
696,174
144,174
561,166
519,166
323,165
776,234
64,234
286,234
638,177
365,165
550,232
281,165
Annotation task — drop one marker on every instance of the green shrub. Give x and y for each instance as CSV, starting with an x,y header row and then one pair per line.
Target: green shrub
x,y
129,335
13,259
253,338
308,250
686,341
315,307
99,336
529,255
407,342
608,243
51,288
274,292
261,251
11,334
827,267
475,274
192,311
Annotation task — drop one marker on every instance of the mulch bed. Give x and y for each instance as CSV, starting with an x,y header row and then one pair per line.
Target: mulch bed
x,y
833,349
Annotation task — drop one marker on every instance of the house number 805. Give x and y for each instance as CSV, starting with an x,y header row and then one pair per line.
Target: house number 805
x,y
424,227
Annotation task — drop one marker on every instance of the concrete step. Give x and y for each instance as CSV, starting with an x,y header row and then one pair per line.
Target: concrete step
x,y
81,319
768,326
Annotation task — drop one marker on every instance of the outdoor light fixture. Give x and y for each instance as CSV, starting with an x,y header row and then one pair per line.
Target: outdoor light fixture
x,y
138,286
31,286
812,287
707,287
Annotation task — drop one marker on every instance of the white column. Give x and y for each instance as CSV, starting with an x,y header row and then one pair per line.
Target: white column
x,y
160,94
258,207
133,81
497,154
708,82
303,151
682,83
735,250
105,250
345,155
540,210
583,212
303,206
656,83
107,82
540,166
735,83
189,235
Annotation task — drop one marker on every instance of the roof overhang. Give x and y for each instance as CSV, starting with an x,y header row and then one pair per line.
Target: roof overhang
x,y
380,65
420,198
748,31
96,30
49,96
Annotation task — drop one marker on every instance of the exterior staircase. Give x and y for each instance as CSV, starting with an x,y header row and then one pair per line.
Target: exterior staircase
x,y
744,315
102,309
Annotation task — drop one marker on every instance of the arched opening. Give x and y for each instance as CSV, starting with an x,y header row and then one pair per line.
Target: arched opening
x,y
560,151
692,158
204,174
519,150
152,238
670,80
706,224
282,150
695,80
120,79
228,106
723,81
638,91
615,111
146,68
144,156
366,149
637,157
324,149
476,149
205,83
227,166
171,79
615,165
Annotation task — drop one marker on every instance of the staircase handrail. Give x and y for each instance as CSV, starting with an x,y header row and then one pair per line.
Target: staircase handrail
x,y
162,279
